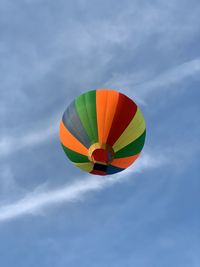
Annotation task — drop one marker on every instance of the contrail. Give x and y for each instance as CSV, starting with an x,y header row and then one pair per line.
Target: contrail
x,y
34,202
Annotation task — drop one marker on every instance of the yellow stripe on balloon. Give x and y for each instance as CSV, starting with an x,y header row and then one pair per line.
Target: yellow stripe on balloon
x,y
88,166
132,132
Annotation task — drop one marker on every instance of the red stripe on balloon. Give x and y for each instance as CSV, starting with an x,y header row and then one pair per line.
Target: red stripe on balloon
x,y
97,172
125,111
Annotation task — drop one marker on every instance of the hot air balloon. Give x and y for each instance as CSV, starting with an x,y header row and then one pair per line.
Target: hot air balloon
x,y
102,131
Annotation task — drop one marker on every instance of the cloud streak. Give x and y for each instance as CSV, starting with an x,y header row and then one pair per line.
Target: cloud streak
x,y
174,75
28,139
143,88
35,201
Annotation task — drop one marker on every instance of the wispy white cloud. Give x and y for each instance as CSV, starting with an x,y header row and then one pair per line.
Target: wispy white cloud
x,y
174,75
29,139
143,87
37,200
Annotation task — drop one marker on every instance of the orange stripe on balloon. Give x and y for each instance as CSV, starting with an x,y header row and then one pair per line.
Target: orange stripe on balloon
x,y
124,162
106,104
112,102
68,140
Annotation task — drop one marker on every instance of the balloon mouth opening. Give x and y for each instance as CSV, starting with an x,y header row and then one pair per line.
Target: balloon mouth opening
x,y
101,154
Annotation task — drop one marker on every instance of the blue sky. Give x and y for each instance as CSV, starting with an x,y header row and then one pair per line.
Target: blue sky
x,y
52,214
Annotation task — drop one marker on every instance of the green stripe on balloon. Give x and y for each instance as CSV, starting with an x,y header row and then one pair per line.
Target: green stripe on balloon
x,y
133,148
86,109
74,156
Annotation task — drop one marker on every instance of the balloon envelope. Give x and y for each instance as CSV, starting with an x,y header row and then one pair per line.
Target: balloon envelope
x,y
102,132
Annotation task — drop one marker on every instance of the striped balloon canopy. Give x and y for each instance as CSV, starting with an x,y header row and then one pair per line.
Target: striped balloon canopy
x,y
102,132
